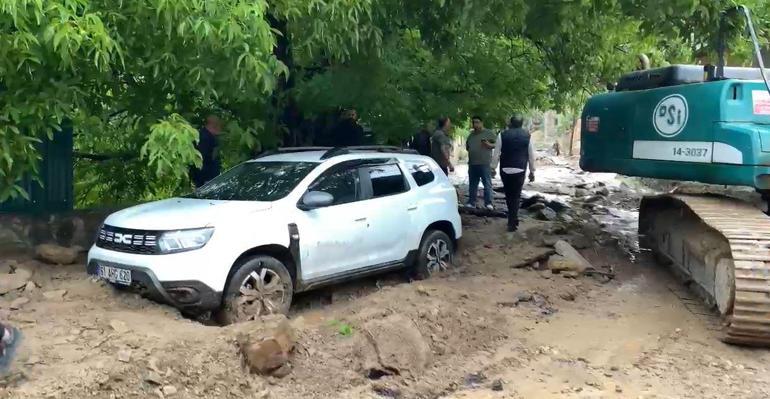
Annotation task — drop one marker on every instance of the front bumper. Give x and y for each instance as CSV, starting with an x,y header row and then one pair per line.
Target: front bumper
x,y
189,296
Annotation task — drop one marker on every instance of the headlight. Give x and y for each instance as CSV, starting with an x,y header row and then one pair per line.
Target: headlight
x,y
184,240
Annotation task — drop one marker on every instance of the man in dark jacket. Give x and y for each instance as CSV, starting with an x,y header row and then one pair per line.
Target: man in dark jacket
x,y
420,142
207,146
514,151
348,132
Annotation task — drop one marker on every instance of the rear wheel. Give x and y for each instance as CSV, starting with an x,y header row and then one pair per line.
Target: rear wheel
x,y
260,286
436,254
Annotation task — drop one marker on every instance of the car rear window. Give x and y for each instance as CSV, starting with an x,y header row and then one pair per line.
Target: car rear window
x,y
255,181
386,180
421,173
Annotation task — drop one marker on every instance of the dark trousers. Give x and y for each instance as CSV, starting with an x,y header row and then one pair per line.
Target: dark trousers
x,y
513,184
478,173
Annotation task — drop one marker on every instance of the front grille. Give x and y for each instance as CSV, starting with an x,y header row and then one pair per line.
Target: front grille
x,y
128,240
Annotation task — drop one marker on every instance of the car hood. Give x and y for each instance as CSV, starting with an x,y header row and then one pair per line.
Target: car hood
x,y
182,213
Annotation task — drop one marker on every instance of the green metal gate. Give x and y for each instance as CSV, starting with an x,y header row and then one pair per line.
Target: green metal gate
x,y
56,174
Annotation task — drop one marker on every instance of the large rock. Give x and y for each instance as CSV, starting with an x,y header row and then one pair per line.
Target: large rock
x,y
558,264
557,205
546,214
14,281
603,191
55,254
393,345
529,201
268,353
566,250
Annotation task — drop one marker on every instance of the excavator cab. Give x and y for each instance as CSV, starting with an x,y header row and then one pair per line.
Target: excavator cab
x,y
708,124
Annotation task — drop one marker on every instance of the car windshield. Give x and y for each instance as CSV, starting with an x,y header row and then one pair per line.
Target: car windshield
x,y
255,181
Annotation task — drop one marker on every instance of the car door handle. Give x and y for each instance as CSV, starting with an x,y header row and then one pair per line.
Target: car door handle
x,y
412,208
360,220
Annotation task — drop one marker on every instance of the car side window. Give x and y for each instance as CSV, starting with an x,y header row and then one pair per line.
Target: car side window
x,y
342,184
387,180
421,173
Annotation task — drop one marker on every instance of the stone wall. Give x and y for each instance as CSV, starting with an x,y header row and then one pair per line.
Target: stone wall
x,y
77,228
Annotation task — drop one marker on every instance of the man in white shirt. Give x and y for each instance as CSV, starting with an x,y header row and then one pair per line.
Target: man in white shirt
x,y
514,151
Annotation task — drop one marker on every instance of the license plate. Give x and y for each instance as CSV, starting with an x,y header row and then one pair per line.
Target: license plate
x,y
115,275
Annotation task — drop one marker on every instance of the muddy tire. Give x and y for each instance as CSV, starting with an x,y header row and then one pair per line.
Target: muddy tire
x,y
436,254
260,286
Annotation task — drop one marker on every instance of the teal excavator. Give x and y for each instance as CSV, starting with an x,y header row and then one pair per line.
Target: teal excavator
x,y
708,124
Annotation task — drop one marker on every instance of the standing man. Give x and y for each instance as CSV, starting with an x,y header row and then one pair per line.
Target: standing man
x,y
420,142
348,131
441,145
514,151
480,144
208,142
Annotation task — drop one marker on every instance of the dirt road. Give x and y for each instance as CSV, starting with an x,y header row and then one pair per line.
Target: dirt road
x,y
489,330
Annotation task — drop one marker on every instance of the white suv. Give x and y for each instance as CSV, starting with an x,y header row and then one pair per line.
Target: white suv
x,y
297,219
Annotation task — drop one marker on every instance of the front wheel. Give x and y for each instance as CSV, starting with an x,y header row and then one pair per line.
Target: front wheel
x,y
436,254
260,286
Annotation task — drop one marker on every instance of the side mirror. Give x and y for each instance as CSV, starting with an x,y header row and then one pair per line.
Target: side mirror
x,y
316,199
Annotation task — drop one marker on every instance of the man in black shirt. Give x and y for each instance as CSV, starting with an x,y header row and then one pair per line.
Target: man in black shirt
x,y
514,152
207,146
348,132
420,142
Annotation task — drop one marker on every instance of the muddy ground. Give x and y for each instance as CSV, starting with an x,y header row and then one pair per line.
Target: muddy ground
x,y
486,330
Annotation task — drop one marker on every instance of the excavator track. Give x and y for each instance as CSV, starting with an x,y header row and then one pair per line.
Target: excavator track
x,y
722,247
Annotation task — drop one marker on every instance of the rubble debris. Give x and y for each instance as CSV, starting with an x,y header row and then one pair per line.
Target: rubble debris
x,y
392,346
7,266
30,286
497,385
124,355
537,206
56,294
568,296
483,212
519,297
56,254
266,355
529,201
540,255
473,380
14,281
603,191
153,377
17,303
557,206
546,214
169,390
119,326
386,391
541,301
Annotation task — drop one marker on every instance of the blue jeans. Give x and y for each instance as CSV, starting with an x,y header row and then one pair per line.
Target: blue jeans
x,y
476,173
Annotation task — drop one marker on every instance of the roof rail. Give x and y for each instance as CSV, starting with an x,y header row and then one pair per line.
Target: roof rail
x,y
287,150
336,151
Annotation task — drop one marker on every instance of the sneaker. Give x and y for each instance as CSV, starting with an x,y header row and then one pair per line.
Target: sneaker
x,y
490,207
470,206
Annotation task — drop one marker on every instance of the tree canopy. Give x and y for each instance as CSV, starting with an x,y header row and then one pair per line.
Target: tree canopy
x,y
136,78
